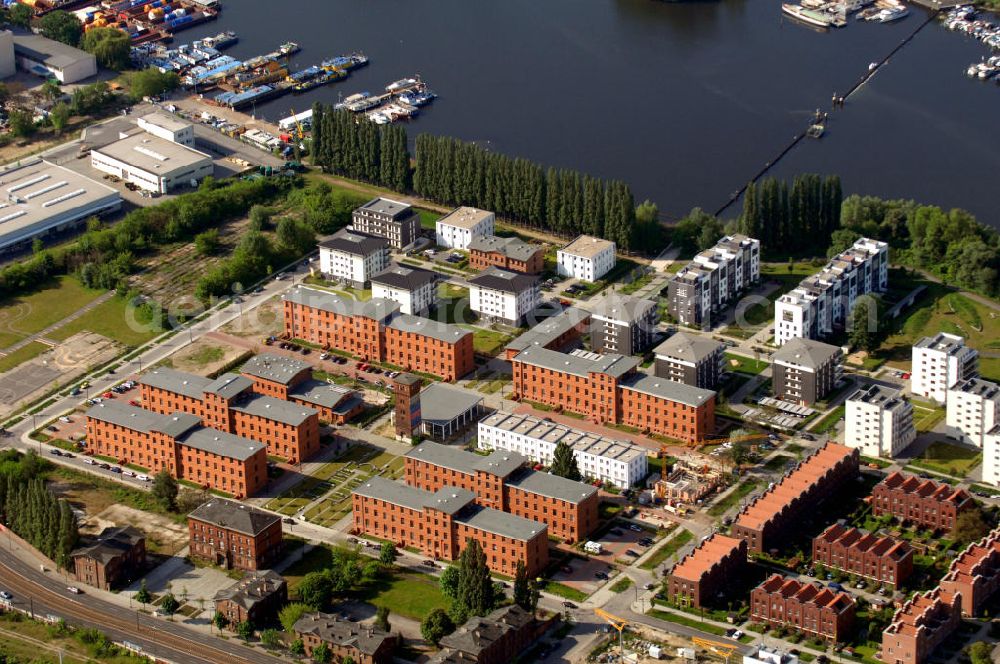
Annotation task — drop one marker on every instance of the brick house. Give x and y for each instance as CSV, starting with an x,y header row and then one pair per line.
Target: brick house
x,y
922,502
975,573
365,644
497,638
115,558
763,522
256,598
854,551
507,253
920,626
702,575
234,535
291,379
806,607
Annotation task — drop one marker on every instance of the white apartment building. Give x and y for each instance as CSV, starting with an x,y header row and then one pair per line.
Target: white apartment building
x,y
939,362
879,422
503,296
991,456
617,462
713,280
587,258
460,227
353,257
415,290
822,302
973,408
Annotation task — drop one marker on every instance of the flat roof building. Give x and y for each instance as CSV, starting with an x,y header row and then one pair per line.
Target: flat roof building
x,y
713,280
46,57
446,410
168,127
152,163
879,421
458,228
939,362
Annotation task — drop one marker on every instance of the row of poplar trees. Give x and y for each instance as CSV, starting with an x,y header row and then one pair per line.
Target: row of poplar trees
x,y
38,517
454,172
792,218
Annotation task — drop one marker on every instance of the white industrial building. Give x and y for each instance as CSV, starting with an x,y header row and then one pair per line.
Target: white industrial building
x,y
587,258
991,456
879,422
39,197
503,296
353,257
168,128
939,362
972,409
617,462
152,163
823,301
460,227
414,289
49,58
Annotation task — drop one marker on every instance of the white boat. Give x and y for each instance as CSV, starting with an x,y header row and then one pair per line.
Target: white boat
x,y
810,16
401,84
894,14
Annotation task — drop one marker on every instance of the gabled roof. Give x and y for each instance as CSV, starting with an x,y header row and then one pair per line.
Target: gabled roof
x,y
806,352
404,278
494,278
252,589
110,544
688,347
511,247
232,515
926,488
698,563
355,243
343,633
275,368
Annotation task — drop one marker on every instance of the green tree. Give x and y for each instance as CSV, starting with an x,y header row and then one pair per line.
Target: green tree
x,y
271,638
51,90
841,239
152,82
436,625
61,26
109,45
316,589
564,462
164,490
207,243
382,618
22,123
296,236
296,647
387,553
169,604
59,116
220,621
321,654
244,629
970,525
21,15
979,652
290,614
475,587
864,318
449,582
522,588
143,596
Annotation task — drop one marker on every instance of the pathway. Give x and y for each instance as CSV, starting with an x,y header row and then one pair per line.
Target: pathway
x,y
42,335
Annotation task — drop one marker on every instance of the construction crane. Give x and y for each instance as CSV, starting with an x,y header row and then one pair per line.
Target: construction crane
x,y
298,126
617,623
723,650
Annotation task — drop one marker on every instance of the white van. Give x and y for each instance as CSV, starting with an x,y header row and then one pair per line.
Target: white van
x,y
593,547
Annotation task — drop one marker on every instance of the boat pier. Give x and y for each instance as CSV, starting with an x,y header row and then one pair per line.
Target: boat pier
x,y
938,5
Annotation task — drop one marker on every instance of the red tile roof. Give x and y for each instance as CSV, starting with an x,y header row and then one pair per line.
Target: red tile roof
x,y
696,564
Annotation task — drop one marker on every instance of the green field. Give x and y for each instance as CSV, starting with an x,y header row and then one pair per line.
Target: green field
x,y
830,420
925,418
744,365
408,594
110,319
564,591
488,342
23,316
744,488
428,218
668,549
948,459
21,355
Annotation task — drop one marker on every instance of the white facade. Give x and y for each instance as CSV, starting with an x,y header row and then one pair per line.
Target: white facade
x,y
495,304
587,258
152,163
46,57
973,408
991,456
351,267
457,229
168,128
413,301
617,462
823,301
878,422
939,362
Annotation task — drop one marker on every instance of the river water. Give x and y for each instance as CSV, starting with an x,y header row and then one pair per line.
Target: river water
x,y
684,101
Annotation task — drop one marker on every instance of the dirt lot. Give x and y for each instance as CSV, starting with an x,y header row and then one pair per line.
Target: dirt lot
x,y
205,356
163,536
267,319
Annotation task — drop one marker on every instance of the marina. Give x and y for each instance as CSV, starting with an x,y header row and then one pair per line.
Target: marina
x,y
144,20
965,20
825,14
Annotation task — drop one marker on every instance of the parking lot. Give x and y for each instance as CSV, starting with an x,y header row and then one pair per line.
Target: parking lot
x,y
581,574
622,539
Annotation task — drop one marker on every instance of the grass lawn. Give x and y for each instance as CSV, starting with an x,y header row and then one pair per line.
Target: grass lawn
x,y
22,355
621,585
564,591
948,459
112,320
745,364
428,218
31,641
488,342
926,418
734,497
408,594
21,316
830,420
668,549
684,620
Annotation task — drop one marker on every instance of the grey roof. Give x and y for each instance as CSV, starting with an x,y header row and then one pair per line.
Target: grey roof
x,y
140,419
153,154
236,516
806,352
979,387
500,523
552,486
611,364
447,499
278,410
465,217
942,341
668,389
587,246
48,51
501,462
478,635
221,443
494,278
553,432
252,589
688,347
113,541
376,308
429,328
394,209
550,329
443,403
321,393
343,633
404,278
875,394
354,243
276,368
511,247
165,121
623,308
226,386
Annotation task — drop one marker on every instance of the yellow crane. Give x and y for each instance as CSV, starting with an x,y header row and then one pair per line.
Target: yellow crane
x,y
298,125
715,440
718,648
617,623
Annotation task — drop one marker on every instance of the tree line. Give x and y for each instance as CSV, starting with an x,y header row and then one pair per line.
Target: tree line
x,y
32,511
360,150
788,220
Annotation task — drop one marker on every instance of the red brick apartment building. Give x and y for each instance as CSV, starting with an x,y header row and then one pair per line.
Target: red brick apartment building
x,y
508,253
441,523
975,573
291,379
376,330
178,444
234,535
922,502
502,481
229,403
763,522
256,598
500,637
815,610
114,558
555,333
920,626
854,551
702,575
610,389
365,644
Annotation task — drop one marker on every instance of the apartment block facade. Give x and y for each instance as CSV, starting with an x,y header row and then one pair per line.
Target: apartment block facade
x,y
804,371
234,535
690,359
991,456
713,280
116,557
972,409
458,228
922,502
178,444
939,362
809,608
879,422
291,379
854,551
415,290
763,523
500,637
503,296
623,324
256,598
586,258
376,330
703,575
975,574
228,403
919,626
506,253
397,222
353,257
822,303
364,644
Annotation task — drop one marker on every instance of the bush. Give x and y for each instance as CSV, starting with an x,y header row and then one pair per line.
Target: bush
x,y
109,45
152,82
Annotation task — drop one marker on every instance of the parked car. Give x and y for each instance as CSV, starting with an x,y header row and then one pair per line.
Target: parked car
x,y
89,461
74,590
6,595
55,452
601,575
835,586
105,466
569,605
649,586
115,469
635,528
128,473
108,395
631,553
430,563
142,478
737,634
65,420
